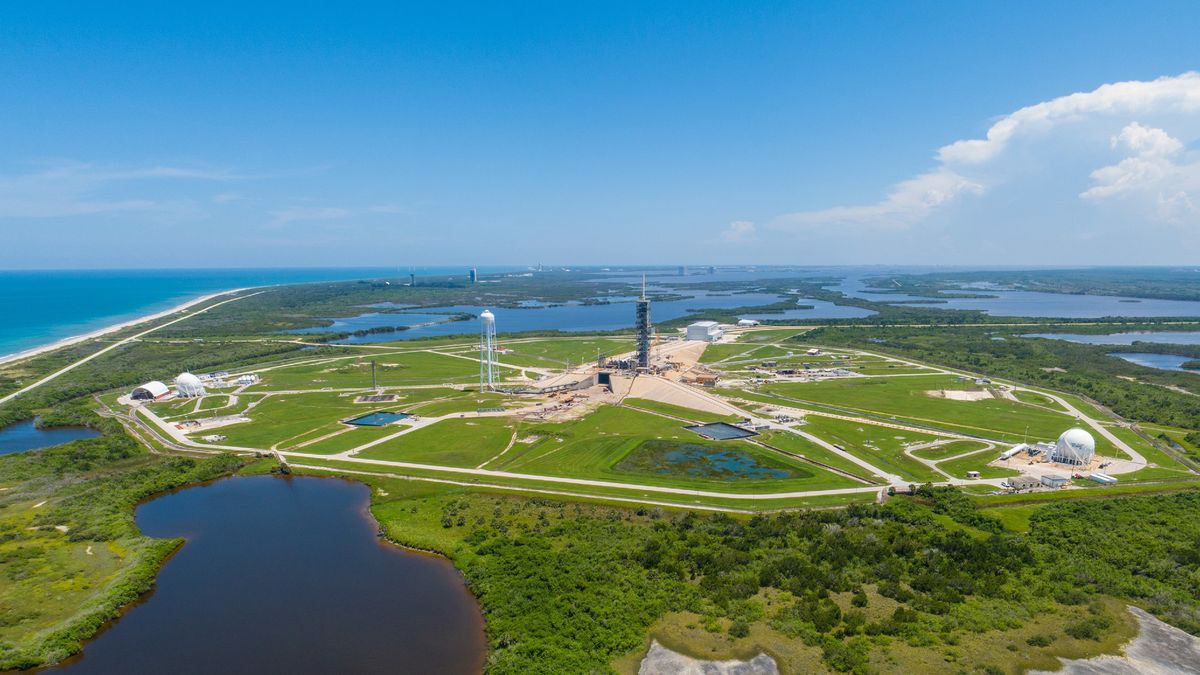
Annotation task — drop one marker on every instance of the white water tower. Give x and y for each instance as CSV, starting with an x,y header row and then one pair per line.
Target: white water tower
x,y
487,350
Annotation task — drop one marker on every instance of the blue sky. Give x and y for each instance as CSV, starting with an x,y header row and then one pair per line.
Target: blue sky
x,y
296,134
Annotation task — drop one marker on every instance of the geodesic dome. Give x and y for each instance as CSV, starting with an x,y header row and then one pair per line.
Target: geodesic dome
x,y
1075,446
188,384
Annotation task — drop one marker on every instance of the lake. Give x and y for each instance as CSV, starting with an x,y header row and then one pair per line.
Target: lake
x,y
571,317
23,436
1159,361
1156,337
286,575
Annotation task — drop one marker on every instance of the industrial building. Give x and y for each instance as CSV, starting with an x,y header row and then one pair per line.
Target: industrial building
x,y
709,331
151,391
747,323
1075,446
188,385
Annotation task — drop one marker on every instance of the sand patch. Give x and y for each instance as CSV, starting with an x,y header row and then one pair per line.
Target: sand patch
x,y
960,394
662,661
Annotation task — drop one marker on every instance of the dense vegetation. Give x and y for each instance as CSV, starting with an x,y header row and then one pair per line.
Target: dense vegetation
x,y
570,588
1139,282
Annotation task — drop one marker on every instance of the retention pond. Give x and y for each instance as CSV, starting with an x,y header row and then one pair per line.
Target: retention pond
x,y
286,575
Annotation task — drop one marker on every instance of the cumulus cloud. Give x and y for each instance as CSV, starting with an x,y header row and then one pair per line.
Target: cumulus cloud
x,y
1152,171
739,231
1156,165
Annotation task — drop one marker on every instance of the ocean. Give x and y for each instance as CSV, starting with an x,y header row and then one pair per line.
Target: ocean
x,y
43,306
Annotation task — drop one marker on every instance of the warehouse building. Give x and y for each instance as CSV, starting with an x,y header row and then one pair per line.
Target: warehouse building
x,y
708,331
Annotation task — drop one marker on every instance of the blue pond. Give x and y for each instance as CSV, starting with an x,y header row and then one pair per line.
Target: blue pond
x,y
25,435
711,463
377,419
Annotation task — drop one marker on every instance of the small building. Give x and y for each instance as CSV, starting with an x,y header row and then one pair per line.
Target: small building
x,y
708,331
972,474
1102,478
769,364
747,323
248,378
151,391
813,352
1023,482
1052,481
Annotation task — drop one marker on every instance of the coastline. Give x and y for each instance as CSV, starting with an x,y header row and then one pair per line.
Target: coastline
x,y
76,339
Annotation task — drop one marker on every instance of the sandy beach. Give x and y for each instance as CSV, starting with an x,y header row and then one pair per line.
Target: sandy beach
x,y
76,339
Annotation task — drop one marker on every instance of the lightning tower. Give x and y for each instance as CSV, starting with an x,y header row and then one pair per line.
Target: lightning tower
x,y
487,350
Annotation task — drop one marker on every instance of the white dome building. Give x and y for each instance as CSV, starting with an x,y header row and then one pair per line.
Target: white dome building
x,y
1075,446
151,391
189,385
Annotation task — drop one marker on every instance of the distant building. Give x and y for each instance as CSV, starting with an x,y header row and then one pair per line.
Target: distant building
x,y
709,331
248,378
474,276
747,322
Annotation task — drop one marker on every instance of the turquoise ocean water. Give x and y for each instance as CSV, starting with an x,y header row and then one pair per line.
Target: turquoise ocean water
x,y
42,306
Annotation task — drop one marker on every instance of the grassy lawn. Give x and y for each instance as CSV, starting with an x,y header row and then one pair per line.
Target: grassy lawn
x,y
564,352
348,440
908,398
976,462
392,370
287,417
950,449
880,446
1034,398
592,447
454,442
802,446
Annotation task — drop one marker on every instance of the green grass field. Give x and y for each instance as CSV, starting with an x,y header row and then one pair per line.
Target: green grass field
x,y
392,370
977,461
908,398
878,445
453,442
946,450
591,447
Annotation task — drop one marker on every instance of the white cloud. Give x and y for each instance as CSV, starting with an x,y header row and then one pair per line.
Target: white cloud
x,y
739,231
307,213
1152,173
1179,94
908,202
71,188
1048,134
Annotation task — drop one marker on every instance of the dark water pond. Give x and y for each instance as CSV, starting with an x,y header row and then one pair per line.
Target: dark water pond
x,y
25,435
286,575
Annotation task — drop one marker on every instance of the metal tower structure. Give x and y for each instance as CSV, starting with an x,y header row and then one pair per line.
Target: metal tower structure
x,y
487,350
642,325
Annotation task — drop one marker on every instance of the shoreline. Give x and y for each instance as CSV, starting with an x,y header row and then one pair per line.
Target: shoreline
x,y
101,332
